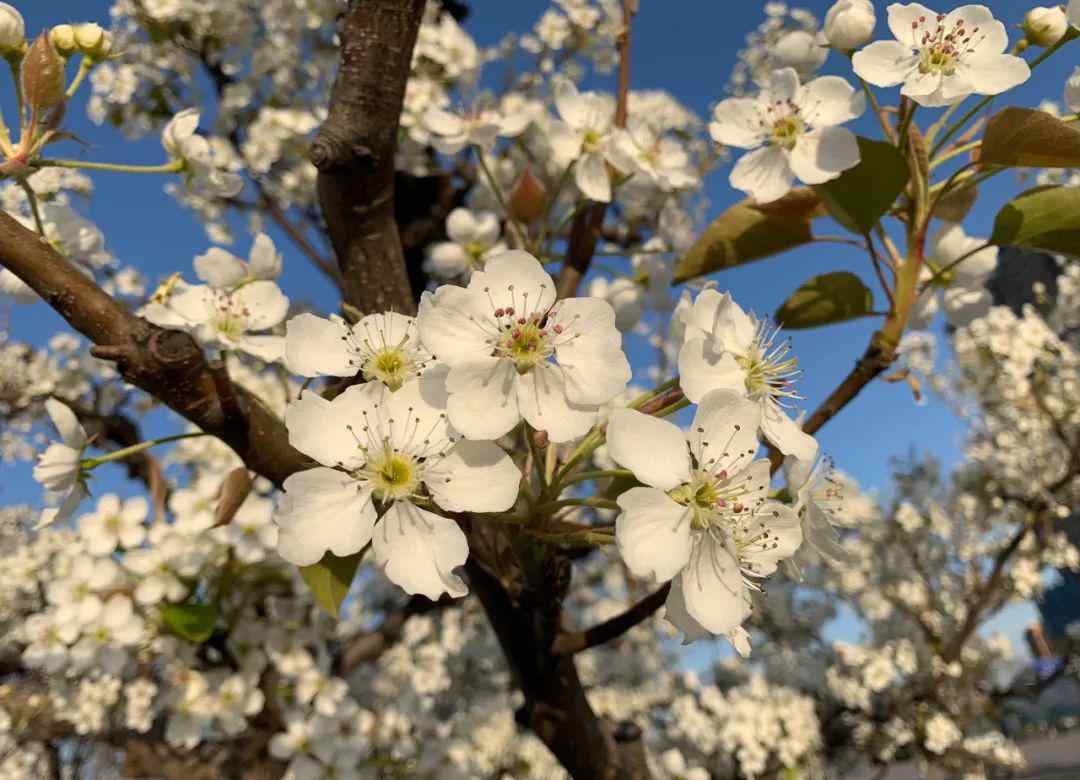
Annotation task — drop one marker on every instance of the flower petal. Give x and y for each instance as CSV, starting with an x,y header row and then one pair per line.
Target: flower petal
x,y
737,122
994,75
483,398
591,177
703,368
476,476
763,174
419,550
320,428
315,346
456,324
265,303
884,63
830,100
785,433
67,424
589,350
723,435
823,154
713,587
220,269
541,395
676,614
265,260
322,510
655,450
907,22
653,533
514,279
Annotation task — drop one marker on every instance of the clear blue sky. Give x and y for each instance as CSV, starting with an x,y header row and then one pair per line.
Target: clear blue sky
x,y
684,46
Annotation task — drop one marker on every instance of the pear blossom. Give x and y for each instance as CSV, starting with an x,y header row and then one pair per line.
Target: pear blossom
x,y
1045,26
59,467
239,300
222,270
802,51
12,29
849,24
704,519
76,594
819,501
660,158
793,130
515,352
114,524
105,641
474,239
724,347
202,171
49,638
942,58
380,347
964,296
451,133
647,287
583,138
382,457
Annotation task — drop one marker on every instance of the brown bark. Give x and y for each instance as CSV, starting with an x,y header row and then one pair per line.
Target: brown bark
x,y
167,364
354,152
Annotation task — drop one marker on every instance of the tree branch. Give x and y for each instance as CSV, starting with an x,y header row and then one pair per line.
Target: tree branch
x,y
367,647
575,642
167,364
354,152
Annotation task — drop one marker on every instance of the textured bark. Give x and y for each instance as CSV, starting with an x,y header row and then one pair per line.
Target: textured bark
x,y
167,364
354,152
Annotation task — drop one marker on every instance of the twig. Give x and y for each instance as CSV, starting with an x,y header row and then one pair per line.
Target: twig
x,y
577,641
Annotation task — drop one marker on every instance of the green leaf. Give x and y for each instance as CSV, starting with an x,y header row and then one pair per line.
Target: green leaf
x,y
826,299
330,578
749,231
1046,218
1024,138
191,621
861,196
618,486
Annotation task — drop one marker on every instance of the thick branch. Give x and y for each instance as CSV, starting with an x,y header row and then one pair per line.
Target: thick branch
x,y
354,152
167,364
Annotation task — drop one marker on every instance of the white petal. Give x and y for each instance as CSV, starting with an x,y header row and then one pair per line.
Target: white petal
x,y
315,346
737,122
322,510
483,398
419,550
702,369
319,428
962,305
676,614
414,416
565,144
570,104
541,395
219,268
908,22
269,349
447,260
67,424
192,303
713,588
994,75
823,154
723,435
514,279
830,100
992,37
461,226
884,63
265,260
785,433
591,177
477,476
655,450
589,350
180,128
763,174
487,228
456,324
781,528
443,122
267,305
653,533
783,84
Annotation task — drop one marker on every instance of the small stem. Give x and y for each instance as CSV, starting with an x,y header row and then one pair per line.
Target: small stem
x,y
90,463
945,269
675,407
515,228
841,240
595,503
586,476
537,456
173,166
85,66
31,198
936,128
953,153
872,98
878,270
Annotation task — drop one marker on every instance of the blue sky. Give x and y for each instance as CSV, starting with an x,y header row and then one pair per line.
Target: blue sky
x,y
684,46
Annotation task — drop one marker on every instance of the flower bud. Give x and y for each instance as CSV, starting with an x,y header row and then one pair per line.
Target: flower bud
x,y
62,38
849,24
12,30
527,198
1045,26
1072,92
42,76
93,41
800,50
